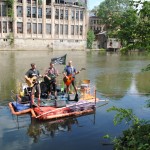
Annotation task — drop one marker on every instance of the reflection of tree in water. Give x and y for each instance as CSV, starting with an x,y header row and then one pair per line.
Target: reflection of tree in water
x,y
143,82
34,131
36,128
113,85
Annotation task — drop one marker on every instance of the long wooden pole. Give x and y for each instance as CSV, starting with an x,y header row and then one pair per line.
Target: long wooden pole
x,y
60,109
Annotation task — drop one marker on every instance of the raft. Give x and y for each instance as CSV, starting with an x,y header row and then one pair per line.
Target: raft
x,y
22,111
73,109
63,106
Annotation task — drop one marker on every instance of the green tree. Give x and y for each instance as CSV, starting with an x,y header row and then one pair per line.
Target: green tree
x,y
110,10
126,31
10,4
143,26
90,39
136,137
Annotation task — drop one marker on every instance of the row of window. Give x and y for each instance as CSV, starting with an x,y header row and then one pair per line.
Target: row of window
x,y
35,12
36,28
48,2
96,28
95,21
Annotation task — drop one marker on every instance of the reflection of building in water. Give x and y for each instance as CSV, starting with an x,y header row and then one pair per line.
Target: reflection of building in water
x,y
36,129
44,24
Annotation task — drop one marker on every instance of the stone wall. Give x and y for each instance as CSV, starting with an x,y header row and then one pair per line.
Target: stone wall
x,y
39,44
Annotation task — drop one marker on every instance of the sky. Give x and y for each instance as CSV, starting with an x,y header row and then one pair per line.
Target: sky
x,y
92,3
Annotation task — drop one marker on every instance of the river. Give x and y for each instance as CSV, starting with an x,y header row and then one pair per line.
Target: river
x,y
117,78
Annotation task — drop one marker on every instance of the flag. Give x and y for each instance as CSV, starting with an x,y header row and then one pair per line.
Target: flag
x,y
59,60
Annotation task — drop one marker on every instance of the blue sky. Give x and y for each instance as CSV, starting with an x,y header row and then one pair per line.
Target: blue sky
x,y
92,3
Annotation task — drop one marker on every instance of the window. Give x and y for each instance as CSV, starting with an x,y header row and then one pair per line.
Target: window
x,y
66,29
29,28
57,14
72,14
56,1
29,1
76,29
0,11
4,10
61,29
59,1
19,11
66,14
77,15
33,2
48,2
81,15
56,29
19,1
72,29
39,28
29,12
19,27
81,30
61,13
10,26
34,12
39,12
34,28
4,27
0,27
48,13
48,28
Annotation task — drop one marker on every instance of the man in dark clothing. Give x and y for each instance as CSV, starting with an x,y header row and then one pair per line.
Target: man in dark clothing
x,y
50,79
31,77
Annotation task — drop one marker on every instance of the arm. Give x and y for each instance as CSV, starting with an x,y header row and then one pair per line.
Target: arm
x,y
27,76
76,72
65,73
46,74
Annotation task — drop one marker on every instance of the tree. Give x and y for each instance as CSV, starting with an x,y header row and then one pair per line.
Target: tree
x,y
110,10
143,26
127,21
10,4
136,137
90,39
127,28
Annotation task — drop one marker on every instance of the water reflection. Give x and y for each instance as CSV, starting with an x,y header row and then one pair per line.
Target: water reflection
x,y
114,85
7,73
112,74
38,129
143,82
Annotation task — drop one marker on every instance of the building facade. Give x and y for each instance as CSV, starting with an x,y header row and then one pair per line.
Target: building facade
x,y
44,25
98,28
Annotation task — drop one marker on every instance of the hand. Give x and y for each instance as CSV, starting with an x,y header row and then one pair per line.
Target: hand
x,y
66,77
30,81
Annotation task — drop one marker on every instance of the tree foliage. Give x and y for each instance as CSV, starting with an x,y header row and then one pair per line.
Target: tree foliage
x,y
90,39
127,21
143,26
10,4
136,137
110,10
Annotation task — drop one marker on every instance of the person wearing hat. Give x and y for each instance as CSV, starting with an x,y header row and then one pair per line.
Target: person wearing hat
x,y
31,78
50,80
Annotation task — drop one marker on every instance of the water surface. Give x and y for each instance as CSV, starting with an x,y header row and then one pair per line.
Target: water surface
x,y
117,78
